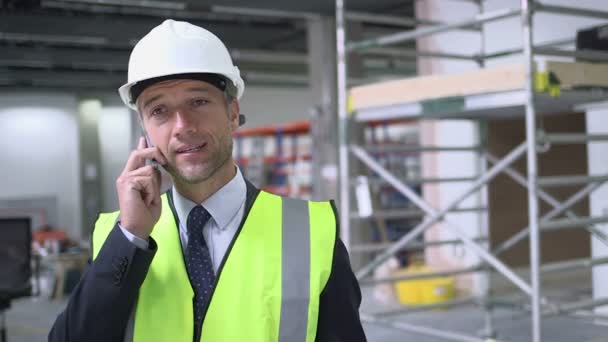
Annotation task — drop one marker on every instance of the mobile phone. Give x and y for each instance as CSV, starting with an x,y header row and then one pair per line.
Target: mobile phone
x,y
152,162
149,143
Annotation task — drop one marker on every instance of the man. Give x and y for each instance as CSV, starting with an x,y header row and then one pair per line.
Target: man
x,y
214,258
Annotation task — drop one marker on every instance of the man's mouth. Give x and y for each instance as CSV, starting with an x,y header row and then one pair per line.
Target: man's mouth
x,y
191,149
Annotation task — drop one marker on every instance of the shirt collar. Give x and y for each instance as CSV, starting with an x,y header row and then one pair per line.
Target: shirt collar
x,y
223,205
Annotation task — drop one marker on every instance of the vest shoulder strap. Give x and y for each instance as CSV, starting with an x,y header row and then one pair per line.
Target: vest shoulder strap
x,y
103,227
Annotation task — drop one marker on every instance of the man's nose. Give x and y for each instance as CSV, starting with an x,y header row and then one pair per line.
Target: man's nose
x,y
183,120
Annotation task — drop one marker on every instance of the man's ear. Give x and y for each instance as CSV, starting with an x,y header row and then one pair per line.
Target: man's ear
x,y
234,109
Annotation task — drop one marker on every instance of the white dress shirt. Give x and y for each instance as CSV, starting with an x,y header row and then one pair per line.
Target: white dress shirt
x,y
226,207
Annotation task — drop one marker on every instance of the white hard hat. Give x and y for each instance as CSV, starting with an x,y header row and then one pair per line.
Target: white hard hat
x,y
175,48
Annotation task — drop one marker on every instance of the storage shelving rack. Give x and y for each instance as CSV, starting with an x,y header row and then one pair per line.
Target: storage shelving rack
x,y
276,169
393,214
481,106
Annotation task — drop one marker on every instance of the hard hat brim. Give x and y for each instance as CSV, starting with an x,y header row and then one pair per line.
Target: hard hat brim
x,y
125,90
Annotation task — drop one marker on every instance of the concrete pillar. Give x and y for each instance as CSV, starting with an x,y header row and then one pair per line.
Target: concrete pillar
x,y
322,82
323,79
90,168
115,139
450,133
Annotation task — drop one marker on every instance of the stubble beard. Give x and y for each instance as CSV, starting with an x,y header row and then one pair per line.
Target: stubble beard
x,y
205,171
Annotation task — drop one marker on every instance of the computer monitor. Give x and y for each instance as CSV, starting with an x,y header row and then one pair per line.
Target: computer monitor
x,y
15,256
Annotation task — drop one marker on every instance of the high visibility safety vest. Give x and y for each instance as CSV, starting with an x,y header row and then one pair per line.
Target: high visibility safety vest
x,y
268,288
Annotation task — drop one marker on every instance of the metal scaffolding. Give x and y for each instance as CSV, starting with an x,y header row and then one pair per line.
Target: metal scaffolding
x,y
508,101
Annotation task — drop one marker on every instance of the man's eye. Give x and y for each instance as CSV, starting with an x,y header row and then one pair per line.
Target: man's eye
x,y
199,102
156,112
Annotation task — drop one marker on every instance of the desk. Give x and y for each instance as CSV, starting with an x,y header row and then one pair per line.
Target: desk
x,y
63,262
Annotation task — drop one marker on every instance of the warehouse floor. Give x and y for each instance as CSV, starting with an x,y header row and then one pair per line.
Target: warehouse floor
x,y
29,321
510,326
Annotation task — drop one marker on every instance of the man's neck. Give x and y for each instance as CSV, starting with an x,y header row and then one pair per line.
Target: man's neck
x,y
199,192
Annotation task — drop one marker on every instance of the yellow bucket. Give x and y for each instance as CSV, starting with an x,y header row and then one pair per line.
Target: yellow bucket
x,y
423,291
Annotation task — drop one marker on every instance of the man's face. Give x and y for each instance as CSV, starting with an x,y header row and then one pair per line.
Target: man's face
x,y
192,125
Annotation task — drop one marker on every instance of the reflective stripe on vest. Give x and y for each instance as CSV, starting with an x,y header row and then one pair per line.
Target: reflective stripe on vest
x,y
295,270
268,288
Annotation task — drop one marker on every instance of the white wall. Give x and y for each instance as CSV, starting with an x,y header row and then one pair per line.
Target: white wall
x,y
265,105
39,152
598,165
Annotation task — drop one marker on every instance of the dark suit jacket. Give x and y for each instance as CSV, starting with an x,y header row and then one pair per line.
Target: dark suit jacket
x,y
99,307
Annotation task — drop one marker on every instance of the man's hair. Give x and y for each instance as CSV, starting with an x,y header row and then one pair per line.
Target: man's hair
x,y
230,91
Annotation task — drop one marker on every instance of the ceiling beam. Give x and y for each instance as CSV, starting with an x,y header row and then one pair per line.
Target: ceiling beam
x,y
124,31
51,78
84,80
170,9
64,58
97,59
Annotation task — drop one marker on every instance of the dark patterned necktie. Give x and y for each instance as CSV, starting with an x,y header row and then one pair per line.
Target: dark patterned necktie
x,y
200,267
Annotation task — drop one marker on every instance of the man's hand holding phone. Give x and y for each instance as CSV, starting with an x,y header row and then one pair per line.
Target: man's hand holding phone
x,y
138,189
